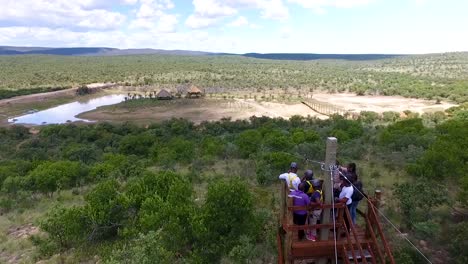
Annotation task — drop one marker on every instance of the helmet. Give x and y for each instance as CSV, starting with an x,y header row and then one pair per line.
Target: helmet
x,y
309,174
316,183
293,165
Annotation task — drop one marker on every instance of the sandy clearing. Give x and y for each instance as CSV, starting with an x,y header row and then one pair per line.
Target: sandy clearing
x,y
198,110
379,104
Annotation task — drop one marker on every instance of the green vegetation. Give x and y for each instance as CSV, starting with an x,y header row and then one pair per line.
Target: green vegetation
x,y
429,76
180,192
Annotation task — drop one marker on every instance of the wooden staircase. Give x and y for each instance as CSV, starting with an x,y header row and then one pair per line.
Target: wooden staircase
x,y
357,245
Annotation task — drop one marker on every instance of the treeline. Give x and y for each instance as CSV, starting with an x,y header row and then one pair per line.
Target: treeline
x,y
385,77
180,192
4,94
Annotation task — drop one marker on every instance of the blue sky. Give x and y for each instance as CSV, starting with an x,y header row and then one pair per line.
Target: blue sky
x,y
239,26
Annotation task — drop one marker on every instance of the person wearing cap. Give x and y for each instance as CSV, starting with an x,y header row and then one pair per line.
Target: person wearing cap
x,y
308,178
291,178
316,199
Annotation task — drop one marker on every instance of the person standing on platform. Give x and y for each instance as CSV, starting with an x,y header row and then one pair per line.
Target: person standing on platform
x,y
300,199
345,196
291,178
316,199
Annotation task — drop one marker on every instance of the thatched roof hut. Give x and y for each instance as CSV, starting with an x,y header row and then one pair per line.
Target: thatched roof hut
x,y
164,95
194,91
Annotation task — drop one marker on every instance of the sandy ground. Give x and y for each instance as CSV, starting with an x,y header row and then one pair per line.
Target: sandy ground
x,y
379,104
198,110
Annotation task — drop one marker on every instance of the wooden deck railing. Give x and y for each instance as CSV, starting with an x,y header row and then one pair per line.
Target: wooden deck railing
x,y
374,240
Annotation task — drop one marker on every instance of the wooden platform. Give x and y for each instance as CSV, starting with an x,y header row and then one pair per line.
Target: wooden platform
x,y
364,244
311,249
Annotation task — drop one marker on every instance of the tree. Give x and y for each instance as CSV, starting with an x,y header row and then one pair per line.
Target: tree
x,y
418,199
106,210
52,176
404,133
271,164
66,226
146,249
249,142
136,144
226,215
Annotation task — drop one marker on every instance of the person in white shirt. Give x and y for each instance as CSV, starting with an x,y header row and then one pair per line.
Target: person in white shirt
x,y
345,195
291,178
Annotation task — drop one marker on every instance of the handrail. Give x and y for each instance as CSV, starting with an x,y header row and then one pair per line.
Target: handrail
x,y
374,239
379,229
315,206
345,256
348,239
308,227
350,221
371,252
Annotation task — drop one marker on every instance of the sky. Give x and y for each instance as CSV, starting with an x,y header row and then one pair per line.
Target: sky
x,y
240,26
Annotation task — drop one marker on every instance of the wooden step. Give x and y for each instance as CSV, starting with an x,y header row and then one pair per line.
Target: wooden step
x,y
366,253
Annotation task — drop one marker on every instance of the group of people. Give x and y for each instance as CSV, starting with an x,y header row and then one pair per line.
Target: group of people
x,y
307,191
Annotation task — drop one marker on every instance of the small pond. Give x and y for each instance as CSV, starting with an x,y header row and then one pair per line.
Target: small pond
x,y
66,112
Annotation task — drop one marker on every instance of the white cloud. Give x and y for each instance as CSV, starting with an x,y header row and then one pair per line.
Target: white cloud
x,y
319,5
60,13
275,9
197,22
151,15
210,12
212,9
239,22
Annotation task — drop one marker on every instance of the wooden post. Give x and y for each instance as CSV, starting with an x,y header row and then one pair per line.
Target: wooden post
x,y
330,160
378,196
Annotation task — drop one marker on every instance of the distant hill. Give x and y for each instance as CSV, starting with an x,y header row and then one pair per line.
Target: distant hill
x,y
103,51
97,51
312,56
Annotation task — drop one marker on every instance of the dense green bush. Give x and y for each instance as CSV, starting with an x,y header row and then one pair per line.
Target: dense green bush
x,y
65,226
52,176
226,215
404,133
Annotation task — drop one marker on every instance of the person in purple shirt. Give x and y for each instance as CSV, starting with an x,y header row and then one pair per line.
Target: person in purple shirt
x,y
300,199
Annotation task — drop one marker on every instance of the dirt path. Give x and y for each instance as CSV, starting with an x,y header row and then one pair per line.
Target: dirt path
x,y
260,109
37,97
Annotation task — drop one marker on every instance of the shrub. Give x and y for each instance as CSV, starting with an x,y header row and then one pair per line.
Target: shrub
x,y
226,215
271,165
105,210
52,176
146,249
249,142
459,243
65,226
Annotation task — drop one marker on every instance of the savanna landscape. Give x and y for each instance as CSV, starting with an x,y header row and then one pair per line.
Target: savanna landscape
x,y
194,180
233,132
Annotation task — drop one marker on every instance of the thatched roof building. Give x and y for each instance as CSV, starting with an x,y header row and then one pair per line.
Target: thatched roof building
x,y
194,91
164,95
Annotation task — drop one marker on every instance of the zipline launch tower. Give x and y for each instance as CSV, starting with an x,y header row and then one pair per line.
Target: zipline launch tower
x,y
336,243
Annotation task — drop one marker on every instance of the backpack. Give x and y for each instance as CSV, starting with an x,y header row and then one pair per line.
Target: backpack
x,y
357,192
